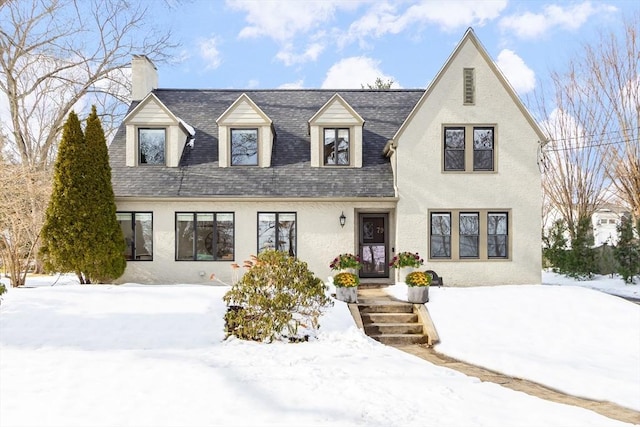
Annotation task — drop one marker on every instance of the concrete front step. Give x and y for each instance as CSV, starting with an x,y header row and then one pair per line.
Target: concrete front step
x,y
400,339
368,318
393,328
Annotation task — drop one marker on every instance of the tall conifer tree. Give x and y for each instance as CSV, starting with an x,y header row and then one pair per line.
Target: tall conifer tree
x,y
63,230
104,254
627,250
81,233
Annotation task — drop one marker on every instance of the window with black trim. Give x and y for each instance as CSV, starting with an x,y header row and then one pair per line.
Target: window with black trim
x,y
497,234
151,146
336,147
277,230
454,148
483,148
456,235
440,236
469,148
469,235
244,147
204,236
137,229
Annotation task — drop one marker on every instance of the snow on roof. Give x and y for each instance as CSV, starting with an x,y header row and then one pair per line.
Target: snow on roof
x,y
187,127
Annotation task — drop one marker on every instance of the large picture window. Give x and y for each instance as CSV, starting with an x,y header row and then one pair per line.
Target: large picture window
x,y
244,147
151,146
469,148
137,229
463,235
204,236
336,147
277,230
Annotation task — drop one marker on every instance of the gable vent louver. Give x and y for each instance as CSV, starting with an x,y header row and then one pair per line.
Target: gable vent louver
x,y
469,86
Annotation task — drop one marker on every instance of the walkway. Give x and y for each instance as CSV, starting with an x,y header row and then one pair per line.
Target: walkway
x,y
608,409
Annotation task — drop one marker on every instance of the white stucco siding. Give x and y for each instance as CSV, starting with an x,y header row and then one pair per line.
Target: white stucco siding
x,y
514,186
319,236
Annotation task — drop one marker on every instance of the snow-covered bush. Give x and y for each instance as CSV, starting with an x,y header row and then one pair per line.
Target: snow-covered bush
x,y
278,298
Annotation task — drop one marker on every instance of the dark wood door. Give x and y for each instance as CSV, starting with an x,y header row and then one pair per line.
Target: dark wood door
x,y
374,245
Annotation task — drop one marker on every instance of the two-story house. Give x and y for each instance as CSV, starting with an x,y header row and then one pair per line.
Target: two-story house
x,y
205,178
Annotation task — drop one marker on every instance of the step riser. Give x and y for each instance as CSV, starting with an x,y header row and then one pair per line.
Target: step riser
x,y
385,308
368,318
400,339
381,329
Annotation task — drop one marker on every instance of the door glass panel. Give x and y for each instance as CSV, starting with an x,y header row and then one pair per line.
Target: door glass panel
x,y
374,259
373,230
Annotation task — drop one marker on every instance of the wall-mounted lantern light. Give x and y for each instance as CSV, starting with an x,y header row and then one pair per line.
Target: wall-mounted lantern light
x,y
343,219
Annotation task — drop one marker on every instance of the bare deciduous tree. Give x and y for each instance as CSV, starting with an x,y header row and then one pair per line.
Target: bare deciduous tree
x,y
574,179
591,113
59,55
23,199
614,64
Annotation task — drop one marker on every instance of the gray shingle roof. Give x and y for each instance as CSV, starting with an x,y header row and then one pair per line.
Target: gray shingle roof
x,y
290,174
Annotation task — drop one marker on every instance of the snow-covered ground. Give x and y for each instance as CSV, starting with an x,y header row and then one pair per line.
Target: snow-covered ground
x,y
134,355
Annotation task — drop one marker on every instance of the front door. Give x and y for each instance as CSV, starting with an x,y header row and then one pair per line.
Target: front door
x,y
374,245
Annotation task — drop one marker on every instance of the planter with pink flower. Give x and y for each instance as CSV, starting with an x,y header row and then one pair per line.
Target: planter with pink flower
x,y
406,262
347,280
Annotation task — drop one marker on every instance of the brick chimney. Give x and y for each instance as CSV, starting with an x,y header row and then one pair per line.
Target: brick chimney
x,y
144,77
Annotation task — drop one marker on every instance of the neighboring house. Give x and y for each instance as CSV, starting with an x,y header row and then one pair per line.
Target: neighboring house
x,y
605,224
205,178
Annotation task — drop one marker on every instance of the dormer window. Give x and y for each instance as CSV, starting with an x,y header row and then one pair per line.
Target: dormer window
x,y
336,147
154,135
245,135
151,146
244,147
336,135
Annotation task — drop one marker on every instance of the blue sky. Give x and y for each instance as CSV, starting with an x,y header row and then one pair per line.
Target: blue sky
x,y
345,43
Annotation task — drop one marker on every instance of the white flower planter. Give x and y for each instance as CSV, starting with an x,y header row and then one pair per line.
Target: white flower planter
x,y
349,295
418,294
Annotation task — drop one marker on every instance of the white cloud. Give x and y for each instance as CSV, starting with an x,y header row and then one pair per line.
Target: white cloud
x,y
353,72
281,20
288,57
564,129
299,84
288,22
253,83
384,18
533,25
521,77
210,53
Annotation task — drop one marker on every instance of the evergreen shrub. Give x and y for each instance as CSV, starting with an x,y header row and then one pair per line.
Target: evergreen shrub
x,y
278,298
578,260
627,251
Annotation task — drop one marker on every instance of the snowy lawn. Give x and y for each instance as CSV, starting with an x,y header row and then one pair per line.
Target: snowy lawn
x,y
132,355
